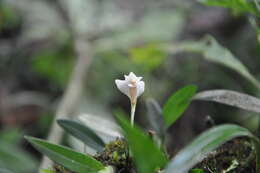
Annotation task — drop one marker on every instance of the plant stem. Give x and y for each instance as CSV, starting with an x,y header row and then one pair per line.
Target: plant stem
x,y
133,105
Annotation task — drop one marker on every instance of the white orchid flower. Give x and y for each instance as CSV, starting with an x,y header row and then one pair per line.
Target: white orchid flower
x,y
133,87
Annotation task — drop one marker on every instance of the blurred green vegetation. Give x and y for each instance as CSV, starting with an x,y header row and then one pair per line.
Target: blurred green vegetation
x,y
55,65
12,156
160,41
8,19
149,57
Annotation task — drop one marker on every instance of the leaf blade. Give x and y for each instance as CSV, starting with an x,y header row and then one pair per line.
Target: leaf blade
x,y
177,104
142,146
202,145
83,133
70,159
231,98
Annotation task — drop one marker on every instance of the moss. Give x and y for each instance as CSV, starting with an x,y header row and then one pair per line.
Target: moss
x,y
116,153
235,156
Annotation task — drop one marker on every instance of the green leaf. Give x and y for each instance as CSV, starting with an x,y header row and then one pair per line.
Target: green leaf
x,y
177,104
83,133
214,52
205,143
75,161
147,156
231,98
236,5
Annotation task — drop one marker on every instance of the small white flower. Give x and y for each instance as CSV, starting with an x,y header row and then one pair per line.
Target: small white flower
x,y
132,86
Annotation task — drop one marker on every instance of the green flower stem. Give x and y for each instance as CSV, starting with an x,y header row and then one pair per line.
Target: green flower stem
x,y
133,105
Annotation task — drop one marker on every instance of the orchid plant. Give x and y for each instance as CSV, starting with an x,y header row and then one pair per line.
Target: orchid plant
x,y
138,151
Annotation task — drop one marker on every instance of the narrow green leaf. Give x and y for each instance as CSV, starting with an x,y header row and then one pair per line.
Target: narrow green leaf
x,y
83,133
147,156
177,104
212,52
75,161
231,98
205,143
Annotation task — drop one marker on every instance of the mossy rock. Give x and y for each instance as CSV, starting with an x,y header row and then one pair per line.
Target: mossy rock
x,y
235,156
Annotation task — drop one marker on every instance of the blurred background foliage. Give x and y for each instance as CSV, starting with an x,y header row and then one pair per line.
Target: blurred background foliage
x,y
150,38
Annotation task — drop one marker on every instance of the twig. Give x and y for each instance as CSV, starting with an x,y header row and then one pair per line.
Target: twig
x,y
72,93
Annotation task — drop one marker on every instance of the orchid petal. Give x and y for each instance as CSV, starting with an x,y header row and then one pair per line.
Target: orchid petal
x,y
122,86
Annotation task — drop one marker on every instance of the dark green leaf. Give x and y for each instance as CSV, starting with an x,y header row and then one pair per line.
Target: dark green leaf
x,y
75,161
177,104
83,133
147,156
205,143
